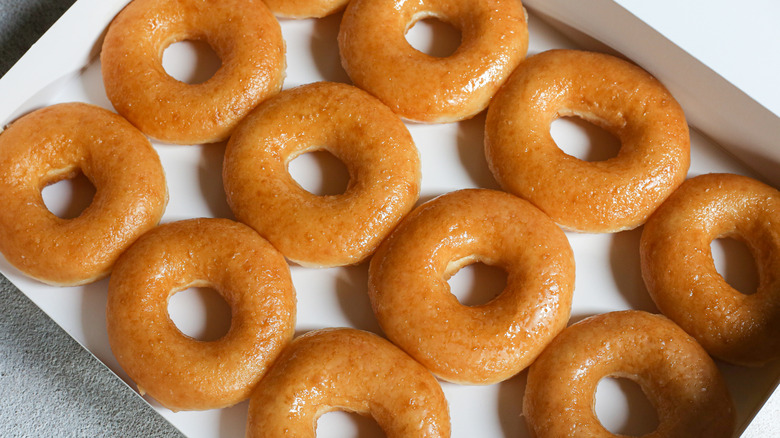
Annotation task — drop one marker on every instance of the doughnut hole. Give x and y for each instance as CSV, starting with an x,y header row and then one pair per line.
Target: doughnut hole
x,y
474,282
320,173
191,61
200,313
433,36
623,408
343,424
736,264
68,197
584,140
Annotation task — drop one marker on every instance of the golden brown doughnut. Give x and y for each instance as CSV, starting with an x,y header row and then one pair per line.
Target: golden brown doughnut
x,y
180,372
305,8
680,275
243,33
603,196
59,142
351,370
676,374
481,344
311,230
424,88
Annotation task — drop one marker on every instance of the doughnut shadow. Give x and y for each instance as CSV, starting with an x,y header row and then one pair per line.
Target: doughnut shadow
x,y
626,270
471,151
210,180
325,49
93,322
352,293
510,406
91,83
233,419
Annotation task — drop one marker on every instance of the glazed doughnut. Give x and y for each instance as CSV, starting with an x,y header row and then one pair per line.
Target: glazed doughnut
x,y
679,271
603,196
243,33
351,370
675,373
305,8
311,230
424,88
483,344
57,143
180,372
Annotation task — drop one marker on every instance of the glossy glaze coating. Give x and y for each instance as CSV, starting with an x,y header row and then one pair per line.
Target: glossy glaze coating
x,y
602,196
243,33
680,274
57,143
420,87
305,8
678,377
482,344
372,142
350,370
180,372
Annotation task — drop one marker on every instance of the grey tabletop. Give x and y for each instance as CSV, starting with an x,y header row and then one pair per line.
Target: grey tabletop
x,y
50,385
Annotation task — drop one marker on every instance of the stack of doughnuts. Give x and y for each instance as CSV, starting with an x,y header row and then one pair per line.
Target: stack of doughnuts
x,y
412,247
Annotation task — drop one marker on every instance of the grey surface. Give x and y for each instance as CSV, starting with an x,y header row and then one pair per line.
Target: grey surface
x,y
22,22
50,386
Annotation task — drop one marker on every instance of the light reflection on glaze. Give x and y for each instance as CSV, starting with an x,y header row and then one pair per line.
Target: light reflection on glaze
x,y
311,230
603,196
424,88
675,373
381,381
412,300
680,274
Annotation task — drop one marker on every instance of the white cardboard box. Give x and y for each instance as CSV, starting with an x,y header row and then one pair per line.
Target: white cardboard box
x,y
719,59
670,39
63,66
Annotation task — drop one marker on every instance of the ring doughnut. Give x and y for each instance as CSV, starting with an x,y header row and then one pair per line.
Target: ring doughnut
x,y
57,143
675,373
305,8
352,370
680,274
424,88
602,196
311,230
243,33
480,344
250,275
